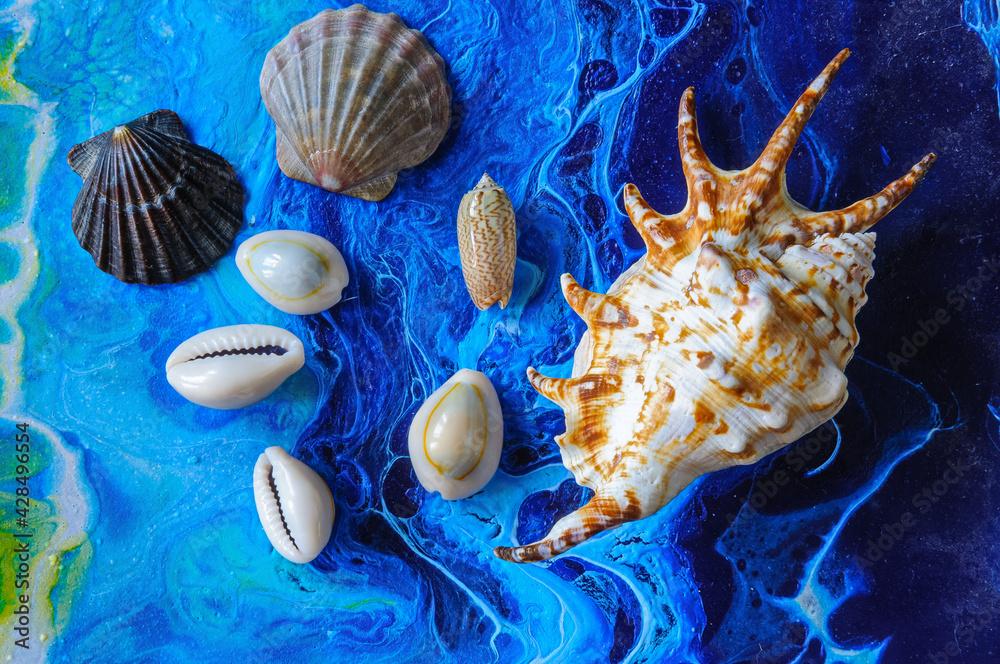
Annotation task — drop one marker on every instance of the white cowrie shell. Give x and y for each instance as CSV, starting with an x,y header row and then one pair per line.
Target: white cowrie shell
x,y
294,505
296,272
234,366
456,436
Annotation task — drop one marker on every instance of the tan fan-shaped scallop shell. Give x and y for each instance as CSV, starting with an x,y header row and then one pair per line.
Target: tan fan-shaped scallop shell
x,y
155,208
724,343
487,243
356,97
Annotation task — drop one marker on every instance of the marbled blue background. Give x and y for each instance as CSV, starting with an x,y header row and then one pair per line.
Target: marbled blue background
x,y
562,102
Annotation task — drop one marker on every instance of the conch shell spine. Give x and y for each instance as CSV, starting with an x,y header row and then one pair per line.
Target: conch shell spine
x,y
726,341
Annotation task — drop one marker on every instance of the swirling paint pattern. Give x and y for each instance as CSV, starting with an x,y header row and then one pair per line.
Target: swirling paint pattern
x,y
563,103
983,16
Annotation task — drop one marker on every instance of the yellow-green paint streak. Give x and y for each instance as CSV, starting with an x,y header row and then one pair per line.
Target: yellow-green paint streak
x,y
59,551
12,91
354,606
58,509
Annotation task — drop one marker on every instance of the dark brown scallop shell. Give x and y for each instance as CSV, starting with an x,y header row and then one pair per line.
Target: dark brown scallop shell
x,y
155,208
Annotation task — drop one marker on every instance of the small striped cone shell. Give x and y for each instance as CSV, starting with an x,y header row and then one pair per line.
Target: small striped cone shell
x,y
725,342
487,243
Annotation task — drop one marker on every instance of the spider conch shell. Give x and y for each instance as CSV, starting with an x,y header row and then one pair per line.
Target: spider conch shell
x,y
724,343
356,97
487,243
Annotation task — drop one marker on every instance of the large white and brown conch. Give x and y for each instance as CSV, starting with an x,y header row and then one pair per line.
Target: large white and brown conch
x,y
725,342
